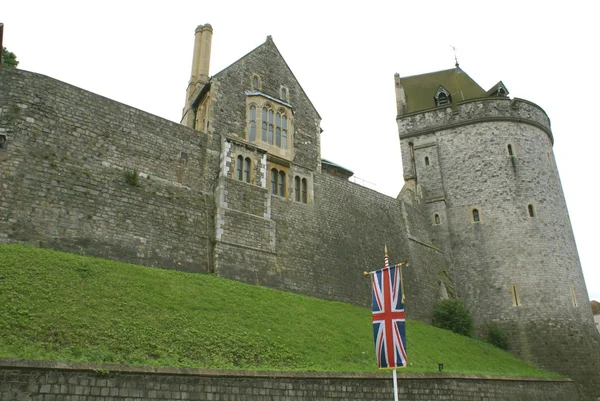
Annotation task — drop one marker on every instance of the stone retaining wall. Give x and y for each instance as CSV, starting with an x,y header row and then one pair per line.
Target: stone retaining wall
x,y
56,381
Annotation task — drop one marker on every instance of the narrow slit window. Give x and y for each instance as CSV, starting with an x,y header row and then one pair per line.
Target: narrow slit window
x,y
284,94
572,291
304,191
255,82
297,188
264,125
252,124
514,292
510,150
476,216
427,160
281,183
531,210
247,164
437,219
274,181
238,172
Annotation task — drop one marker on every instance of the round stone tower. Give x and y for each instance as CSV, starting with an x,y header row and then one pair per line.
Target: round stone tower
x,y
485,166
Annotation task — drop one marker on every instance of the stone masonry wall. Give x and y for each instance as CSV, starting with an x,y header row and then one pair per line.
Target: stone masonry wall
x,y
39,381
229,101
508,249
62,180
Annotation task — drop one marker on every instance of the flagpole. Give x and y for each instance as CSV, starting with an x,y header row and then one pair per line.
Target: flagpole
x,y
395,386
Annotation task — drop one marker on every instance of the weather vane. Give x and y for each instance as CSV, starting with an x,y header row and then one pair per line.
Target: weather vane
x,y
455,59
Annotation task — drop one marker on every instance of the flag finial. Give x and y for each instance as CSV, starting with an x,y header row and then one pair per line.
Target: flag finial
x,y
385,250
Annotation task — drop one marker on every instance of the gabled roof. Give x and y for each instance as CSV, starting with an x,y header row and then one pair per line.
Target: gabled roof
x,y
494,89
269,42
420,90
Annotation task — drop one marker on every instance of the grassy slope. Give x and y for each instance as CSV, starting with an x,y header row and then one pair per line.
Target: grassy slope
x,y
67,307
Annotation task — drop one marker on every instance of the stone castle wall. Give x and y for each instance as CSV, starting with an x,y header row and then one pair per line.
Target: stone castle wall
x,y
40,381
62,180
471,167
63,186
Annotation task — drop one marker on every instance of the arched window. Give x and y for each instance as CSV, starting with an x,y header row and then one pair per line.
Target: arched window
x,y
281,183
297,189
427,160
274,181
437,219
264,124
252,124
284,93
255,82
247,164
278,130
270,126
284,132
509,149
304,191
530,210
238,167
476,215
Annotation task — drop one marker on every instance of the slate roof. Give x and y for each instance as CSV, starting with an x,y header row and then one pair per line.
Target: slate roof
x,y
420,89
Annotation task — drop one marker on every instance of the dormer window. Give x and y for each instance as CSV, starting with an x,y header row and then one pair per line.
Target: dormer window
x,y
498,90
442,97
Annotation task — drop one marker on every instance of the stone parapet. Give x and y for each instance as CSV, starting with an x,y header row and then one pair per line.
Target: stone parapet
x,y
474,112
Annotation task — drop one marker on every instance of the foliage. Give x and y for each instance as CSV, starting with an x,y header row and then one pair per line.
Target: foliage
x,y
497,336
59,306
595,307
452,314
132,177
9,59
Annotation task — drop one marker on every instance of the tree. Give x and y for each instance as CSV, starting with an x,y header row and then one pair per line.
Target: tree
x,y
9,59
595,307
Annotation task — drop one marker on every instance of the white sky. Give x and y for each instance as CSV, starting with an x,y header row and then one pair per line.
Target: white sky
x,y
345,54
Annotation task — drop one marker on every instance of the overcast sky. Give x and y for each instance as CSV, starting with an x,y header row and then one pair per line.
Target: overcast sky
x,y
345,55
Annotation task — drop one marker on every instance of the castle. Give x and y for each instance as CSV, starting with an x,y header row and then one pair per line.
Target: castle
x,y
239,189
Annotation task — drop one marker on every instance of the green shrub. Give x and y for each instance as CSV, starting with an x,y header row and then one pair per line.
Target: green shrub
x,y
132,177
497,336
452,314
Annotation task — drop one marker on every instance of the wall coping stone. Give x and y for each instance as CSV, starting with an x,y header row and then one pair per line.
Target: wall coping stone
x,y
8,363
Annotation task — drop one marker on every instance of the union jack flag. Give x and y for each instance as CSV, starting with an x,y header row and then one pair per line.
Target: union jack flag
x,y
389,326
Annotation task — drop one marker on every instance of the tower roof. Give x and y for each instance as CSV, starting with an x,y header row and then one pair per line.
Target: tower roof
x,y
420,89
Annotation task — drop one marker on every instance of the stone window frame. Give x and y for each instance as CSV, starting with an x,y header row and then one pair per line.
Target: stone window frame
x,y
475,215
243,168
427,161
3,141
516,297
572,293
281,188
302,189
510,150
436,219
258,81
531,212
284,93
285,125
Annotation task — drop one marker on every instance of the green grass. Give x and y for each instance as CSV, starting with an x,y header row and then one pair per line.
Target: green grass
x,y
60,306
